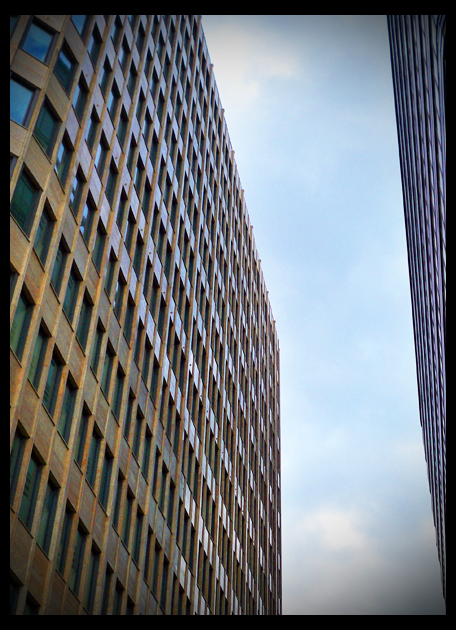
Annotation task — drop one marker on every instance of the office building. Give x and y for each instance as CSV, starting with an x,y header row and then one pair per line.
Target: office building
x,y
417,45
145,407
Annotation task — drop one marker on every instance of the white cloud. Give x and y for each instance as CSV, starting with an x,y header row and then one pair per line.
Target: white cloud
x,y
335,529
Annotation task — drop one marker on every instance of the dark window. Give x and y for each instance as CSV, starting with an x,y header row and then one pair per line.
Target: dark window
x,y
21,323
65,68
30,493
48,516
44,235
24,202
52,384
46,128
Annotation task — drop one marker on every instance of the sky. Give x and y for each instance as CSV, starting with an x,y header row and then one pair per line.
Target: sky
x,y
310,113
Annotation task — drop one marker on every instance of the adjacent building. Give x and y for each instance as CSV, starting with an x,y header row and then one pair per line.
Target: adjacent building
x,y
419,66
144,361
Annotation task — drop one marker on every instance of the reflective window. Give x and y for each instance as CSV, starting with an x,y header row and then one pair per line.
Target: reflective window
x,y
38,41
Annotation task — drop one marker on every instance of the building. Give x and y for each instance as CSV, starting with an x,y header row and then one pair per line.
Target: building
x,y
418,62
145,408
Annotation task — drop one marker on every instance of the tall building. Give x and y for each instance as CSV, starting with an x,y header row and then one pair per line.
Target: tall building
x,y
145,417
417,45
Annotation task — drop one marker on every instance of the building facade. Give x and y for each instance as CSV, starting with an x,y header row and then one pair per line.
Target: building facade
x,y
417,46
144,361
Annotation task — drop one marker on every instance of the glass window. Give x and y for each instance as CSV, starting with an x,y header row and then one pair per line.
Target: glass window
x,y
94,46
30,494
46,128
76,192
39,353
62,165
59,267
87,219
44,235
92,463
65,68
21,325
92,580
71,295
17,453
107,370
78,560
52,384
65,539
99,245
105,479
80,97
38,41
24,202
80,22
20,100
84,321
47,516
66,414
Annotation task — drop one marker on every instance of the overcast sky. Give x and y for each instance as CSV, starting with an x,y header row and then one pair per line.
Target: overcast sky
x,y
310,113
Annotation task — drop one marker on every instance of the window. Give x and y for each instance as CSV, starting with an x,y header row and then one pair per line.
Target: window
x,y
67,411
107,370
80,22
92,463
52,384
127,519
38,41
129,316
65,539
21,323
30,493
48,516
44,234
113,101
92,129
78,560
82,331
105,479
122,127
59,267
76,192
82,434
91,586
94,46
118,392
88,217
65,68
71,294
138,533
105,76
46,128
101,155
106,591
80,97
115,515
62,165
95,359
118,297
24,202
99,245
111,182
17,453
21,97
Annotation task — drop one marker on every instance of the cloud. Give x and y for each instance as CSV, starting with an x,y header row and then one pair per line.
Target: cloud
x,y
335,529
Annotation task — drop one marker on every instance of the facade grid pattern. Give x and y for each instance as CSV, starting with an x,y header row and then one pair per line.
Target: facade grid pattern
x,y
417,45
144,361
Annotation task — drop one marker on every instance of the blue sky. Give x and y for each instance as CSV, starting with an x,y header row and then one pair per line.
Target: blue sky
x,y
309,107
